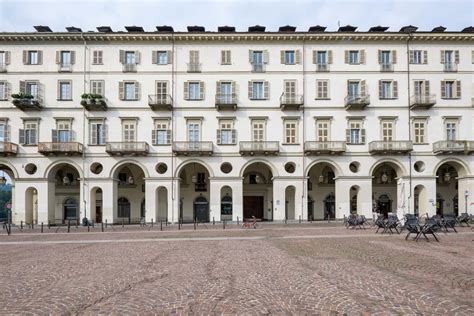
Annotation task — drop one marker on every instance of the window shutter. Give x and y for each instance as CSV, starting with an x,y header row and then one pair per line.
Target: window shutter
x,y
348,136
33,137
297,56
73,57
314,56
137,57
218,137
266,90
7,90
250,56
136,87
201,90
282,57
346,56
362,136
250,90
412,56
122,57
265,56
22,136
380,89
22,87
54,136
456,56
121,90
154,57
458,89
40,57
223,60
427,87
394,56
395,89
169,56
58,57
329,56
25,57
233,87
104,133
168,136
234,136
425,57
153,136
442,56
380,56
73,136
59,91
218,87
362,56
7,133
362,88
443,89
93,132
186,90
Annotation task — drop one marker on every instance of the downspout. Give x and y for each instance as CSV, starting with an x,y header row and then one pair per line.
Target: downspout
x,y
173,73
304,193
84,130
410,36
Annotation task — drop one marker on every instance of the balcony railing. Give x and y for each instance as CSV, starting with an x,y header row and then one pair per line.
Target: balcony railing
x,y
324,148
3,68
260,148
129,67
452,147
258,68
390,147
8,149
193,148
94,104
127,148
65,67
61,148
322,67
26,104
450,67
357,101
194,67
386,67
226,101
290,101
422,101
160,102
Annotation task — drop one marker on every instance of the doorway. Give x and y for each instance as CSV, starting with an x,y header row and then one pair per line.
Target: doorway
x,y
330,207
70,209
253,206
384,205
201,209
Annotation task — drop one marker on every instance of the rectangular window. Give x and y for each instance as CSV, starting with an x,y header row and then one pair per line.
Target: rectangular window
x,y
387,130
291,132
3,90
129,91
3,58
258,130
65,91
97,57
162,57
417,57
161,91
225,92
30,133
31,88
97,133
353,57
194,89
257,57
385,57
322,89
226,132
353,88
161,128
355,132
65,58
448,90
385,89
97,87
419,131
322,130
257,90
129,130
225,57
33,57
3,131
289,57
63,128
129,58
194,131
321,58
450,130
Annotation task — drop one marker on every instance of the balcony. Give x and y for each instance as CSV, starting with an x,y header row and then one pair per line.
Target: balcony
x,y
322,67
60,149
226,101
93,102
324,148
3,68
129,67
127,148
26,102
259,148
357,101
194,67
291,101
386,67
396,147
65,67
8,149
159,102
258,68
422,101
192,148
453,147
450,67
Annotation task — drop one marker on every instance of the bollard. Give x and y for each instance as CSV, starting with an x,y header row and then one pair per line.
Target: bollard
x,y
88,227
196,219
285,220
223,224
152,223
311,218
166,223
21,225
179,224
102,226
9,229
213,222
122,222
49,225
237,221
299,219
194,224
41,227
105,223
76,224
161,225
32,225
68,226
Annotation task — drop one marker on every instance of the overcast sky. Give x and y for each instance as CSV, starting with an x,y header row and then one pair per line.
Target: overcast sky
x,y
21,15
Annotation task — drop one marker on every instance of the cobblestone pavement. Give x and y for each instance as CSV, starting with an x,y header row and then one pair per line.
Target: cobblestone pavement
x,y
283,270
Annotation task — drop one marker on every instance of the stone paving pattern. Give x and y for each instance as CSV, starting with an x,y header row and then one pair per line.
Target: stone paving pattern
x,y
357,273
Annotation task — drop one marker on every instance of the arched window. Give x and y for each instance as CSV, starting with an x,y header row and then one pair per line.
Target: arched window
x,y
226,205
70,209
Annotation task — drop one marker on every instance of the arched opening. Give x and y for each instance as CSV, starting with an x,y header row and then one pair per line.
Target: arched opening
x,y
354,196
64,194
321,185
448,188
161,204
420,200
201,210
31,206
290,192
385,178
258,191
96,205
130,185
7,204
194,183
226,203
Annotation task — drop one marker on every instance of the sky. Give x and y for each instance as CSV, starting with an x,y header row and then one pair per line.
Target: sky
x,y
21,15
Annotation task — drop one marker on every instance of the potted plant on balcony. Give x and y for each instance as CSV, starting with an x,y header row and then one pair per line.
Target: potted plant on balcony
x,y
21,98
92,98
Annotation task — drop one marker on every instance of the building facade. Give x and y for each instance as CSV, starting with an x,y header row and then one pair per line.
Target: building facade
x,y
124,126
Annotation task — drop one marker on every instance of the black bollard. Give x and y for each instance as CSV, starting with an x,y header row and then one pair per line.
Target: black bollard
x,y
105,223
21,225
194,224
213,222
179,224
299,219
196,221
237,221
41,227
166,222
223,224
122,222
152,223
102,226
32,225
88,227
161,225
68,226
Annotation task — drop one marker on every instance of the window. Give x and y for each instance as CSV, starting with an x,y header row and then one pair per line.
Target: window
x,y
4,131
257,57
129,130
422,88
28,135
353,88
97,135
162,133
322,130
97,57
416,57
258,130
321,57
387,130
194,131
353,57
258,90
450,89
290,90
65,58
450,129
355,134
388,89
194,57
419,131
225,91
129,58
97,87
162,91
63,131
4,60
65,91
384,57
289,57
162,57
129,90
291,132
31,88
322,89
226,57
33,57
3,90
194,91
226,133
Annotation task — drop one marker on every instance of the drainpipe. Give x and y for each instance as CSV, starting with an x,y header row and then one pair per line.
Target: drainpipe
x,y
410,37
173,74
304,193
84,131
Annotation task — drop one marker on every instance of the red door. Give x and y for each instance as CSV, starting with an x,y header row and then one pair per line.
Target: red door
x,y
253,205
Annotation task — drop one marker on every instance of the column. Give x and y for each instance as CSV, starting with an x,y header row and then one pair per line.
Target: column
x,y
109,201
279,186
215,199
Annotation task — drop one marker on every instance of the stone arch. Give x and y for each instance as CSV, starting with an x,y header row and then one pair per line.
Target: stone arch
x,y
461,167
198,161
270,165
115,169
52,168
396,165
334,166
8,165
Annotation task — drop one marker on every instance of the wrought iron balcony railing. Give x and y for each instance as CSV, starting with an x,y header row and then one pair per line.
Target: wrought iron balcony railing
x,y
226,101
27,104
258,68
422,101
386,67
194,67
160,101
64,67
291,101
450,67
129,67
322,67
357,101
